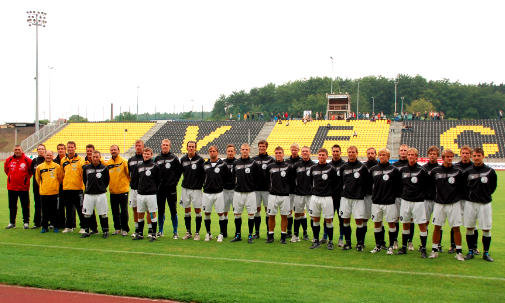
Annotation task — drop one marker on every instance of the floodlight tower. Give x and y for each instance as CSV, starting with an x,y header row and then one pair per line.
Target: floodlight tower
x,y
36,18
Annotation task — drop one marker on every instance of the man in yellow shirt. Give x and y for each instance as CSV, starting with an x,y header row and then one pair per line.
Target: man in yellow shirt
x,y
119,185
49,176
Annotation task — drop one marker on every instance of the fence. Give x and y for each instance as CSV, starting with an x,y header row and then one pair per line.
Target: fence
x,y
30,142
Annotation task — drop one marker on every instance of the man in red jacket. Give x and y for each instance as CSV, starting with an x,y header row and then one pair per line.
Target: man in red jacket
x,y
17,169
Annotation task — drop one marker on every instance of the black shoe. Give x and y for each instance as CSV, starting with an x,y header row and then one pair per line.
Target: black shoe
x,y
423,254
85,235
283,241
289,235
152,239
250,239
347,247
402,251
269,240
469,256
359,248
440,249
487,257
323,241
138,237
316,244
330,245
94,232
452,250
236,238
305,237
105,235
476,251
225,235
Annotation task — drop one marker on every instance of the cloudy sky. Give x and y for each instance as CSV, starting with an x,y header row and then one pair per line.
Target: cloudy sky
x,y
183,54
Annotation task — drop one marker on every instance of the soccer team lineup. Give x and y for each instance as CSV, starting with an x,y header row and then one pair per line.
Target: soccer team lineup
x,y
395,198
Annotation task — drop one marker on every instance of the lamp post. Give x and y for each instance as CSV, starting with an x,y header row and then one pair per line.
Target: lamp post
x,y
36,18
49,68
331,78
396,87
402,105
138,102
373,106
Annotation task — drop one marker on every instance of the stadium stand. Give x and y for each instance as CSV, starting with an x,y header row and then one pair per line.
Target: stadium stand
x,y
205,133
100,134
326,133
488,134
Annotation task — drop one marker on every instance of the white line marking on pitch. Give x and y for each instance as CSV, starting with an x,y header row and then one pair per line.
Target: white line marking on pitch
x,y
375,270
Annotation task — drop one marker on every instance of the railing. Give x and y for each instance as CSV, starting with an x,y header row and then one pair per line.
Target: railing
x,y
29,143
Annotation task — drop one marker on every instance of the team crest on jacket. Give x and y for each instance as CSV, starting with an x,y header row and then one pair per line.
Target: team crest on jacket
x,y
217,170
22,165
451,180
99,175
193,166
264,166
148,173
385,177
167,165
356,175
324,176
413,180
283,174
483,180
247,170
308,173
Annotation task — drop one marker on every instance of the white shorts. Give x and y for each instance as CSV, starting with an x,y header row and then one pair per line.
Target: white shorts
x,y
262,196
389,211
228,199
244,200
147,203
91,201
321,205
301,203
189,196
450,211
429,204
478,211
291,202
133,198
398,203
413,211
213,199
352,206
281,202
368,206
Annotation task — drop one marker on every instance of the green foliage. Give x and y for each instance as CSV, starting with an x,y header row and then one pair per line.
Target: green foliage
x,y
420,105
77,118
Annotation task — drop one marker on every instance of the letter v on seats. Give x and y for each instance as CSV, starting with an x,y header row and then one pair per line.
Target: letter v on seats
x,y
192,135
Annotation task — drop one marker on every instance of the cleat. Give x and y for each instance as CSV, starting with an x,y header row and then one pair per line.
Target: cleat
x,y
136,236
390,251
402,251
175,236
85,235
375,250
269,240
250,239
236,238
459,257
323,241
196,237
330,245
305,237
93,232
316,244
440,249
208,237
220,238
152,238
257,235
116,232
452,250
56,230
124,233
283,241
26,226
10,226
188,235
410,246
82,231
476,252
159,234
340,243
50,226
469,256
423,254
359,248
35,227
487,257
347,247
67,230
420,248
105,234
395,245
295,239
43,231
433,255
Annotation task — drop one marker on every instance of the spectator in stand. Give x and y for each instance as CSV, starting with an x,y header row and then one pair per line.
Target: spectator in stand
x,y
17,169
500,114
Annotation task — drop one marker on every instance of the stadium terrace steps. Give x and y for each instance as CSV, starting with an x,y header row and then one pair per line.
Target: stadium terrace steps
x,y
451,134
263,135
205,133
159,124
395,137
44,133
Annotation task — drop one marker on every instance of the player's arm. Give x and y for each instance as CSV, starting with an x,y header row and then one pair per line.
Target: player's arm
x,y
493,181
37,175
59,173
106,176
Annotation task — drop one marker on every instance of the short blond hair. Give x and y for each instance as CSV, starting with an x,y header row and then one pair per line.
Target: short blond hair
x,y
385,150
413,149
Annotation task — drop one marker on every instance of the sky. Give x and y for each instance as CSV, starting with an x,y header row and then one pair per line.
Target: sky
x,y
182,55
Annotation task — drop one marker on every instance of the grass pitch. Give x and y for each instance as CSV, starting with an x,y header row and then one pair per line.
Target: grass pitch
x,y
239,272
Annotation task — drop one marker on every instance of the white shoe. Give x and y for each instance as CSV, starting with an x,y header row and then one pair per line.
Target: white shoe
x,y
220,238
159,235
187,236
175,236
433,255
208,237
340,243
410,246
395,245
295,239
10,226
124,233
82,231
375,250
390,251
26,226
459,257
196,237
66,230
116,232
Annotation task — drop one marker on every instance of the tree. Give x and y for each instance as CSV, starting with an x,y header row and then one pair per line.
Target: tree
x,y
77,118
420,105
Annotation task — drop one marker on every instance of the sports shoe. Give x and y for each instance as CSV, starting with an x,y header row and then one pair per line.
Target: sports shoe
x,y
305,237
10,226
187,236
283,241
487,257
250,239
316,244
459,257
440,249
423,254
93,232
196,237
295,239
159,234
35,227
124,233
340,243
289,235
390,251
476,252
410,246
82,231
67,230
269,240
208,237
116,232
43,231
323,241
257,236
136,236
85,235
469,256
359,248
375,250
433,255
152,238
26,226
395,245
347,247
105,234
50,226
56,230
175,236
236,238
330,245
402,251
452,250
220,238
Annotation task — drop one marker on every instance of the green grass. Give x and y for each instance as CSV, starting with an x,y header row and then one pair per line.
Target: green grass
x,y
226,272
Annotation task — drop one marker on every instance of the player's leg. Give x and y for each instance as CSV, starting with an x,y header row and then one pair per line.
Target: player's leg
x,y
238,208
285,208
219,207
315,213
161,197
377,218
133,204
358,211
186,204
485,218
345,213
406,216
197,205
141,209
172,205
87,209
37,210
123,214
290,216
102,210
271,212
114,207
455,217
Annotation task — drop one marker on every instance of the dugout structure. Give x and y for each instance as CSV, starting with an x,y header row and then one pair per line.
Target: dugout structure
x,y
338,107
